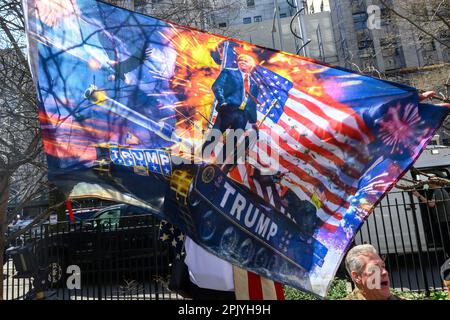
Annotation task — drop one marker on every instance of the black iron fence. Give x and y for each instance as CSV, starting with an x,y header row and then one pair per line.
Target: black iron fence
x,y
412,232
108,259
123,258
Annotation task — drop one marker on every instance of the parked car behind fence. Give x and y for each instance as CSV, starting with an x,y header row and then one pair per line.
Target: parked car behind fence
x,y
120,245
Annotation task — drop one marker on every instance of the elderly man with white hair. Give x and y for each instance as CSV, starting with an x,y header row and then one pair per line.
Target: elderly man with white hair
x,y
369,274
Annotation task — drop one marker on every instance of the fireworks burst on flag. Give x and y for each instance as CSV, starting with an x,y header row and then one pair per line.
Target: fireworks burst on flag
x,y
397,128
376,183
195,72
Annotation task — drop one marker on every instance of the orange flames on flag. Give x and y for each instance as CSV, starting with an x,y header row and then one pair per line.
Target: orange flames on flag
x,y
301,72
55,11
196,71
71,138
195,74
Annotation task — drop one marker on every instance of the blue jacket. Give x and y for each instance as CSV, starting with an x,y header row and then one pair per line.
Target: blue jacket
x,y
229,88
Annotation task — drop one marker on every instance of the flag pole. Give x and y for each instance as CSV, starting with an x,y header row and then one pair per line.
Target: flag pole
x,y
211,124
222,66
274,103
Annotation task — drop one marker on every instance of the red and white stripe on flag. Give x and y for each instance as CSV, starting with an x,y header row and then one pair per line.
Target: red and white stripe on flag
x,y
312,140
250,286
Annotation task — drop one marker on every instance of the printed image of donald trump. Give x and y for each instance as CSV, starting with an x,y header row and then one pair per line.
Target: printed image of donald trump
x,y
236,95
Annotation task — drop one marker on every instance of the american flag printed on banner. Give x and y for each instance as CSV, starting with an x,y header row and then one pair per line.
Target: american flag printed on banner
x,y
311,140
172,236
248,285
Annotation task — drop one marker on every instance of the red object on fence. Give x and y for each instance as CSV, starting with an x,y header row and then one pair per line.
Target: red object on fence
x,y
69,207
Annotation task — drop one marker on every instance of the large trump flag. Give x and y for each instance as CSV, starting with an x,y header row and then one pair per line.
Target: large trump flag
x,y
129,104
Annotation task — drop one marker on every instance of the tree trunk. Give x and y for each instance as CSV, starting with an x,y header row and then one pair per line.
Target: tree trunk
x,y
4,195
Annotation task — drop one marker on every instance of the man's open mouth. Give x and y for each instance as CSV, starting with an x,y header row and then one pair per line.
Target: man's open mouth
x,y
385,283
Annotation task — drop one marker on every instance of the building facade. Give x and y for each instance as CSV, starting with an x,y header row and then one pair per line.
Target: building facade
x,y
386,45
318,28
257,22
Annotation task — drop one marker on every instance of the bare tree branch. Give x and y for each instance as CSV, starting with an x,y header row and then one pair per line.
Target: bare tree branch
x,y
414,24
443,20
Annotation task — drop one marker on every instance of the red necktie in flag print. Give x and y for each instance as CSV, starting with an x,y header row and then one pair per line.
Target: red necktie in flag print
x,y
246,84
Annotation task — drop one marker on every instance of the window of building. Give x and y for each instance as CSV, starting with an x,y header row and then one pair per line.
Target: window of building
x,y
365,44
250,3
257,18
386,18
385,13
445,34
140,6
222,25
283,15
360,20
247,20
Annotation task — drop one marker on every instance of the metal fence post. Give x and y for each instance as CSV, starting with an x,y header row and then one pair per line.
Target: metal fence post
x,y
419,244
97,260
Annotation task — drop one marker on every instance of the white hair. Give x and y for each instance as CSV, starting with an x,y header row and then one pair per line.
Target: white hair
x,y
353,261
